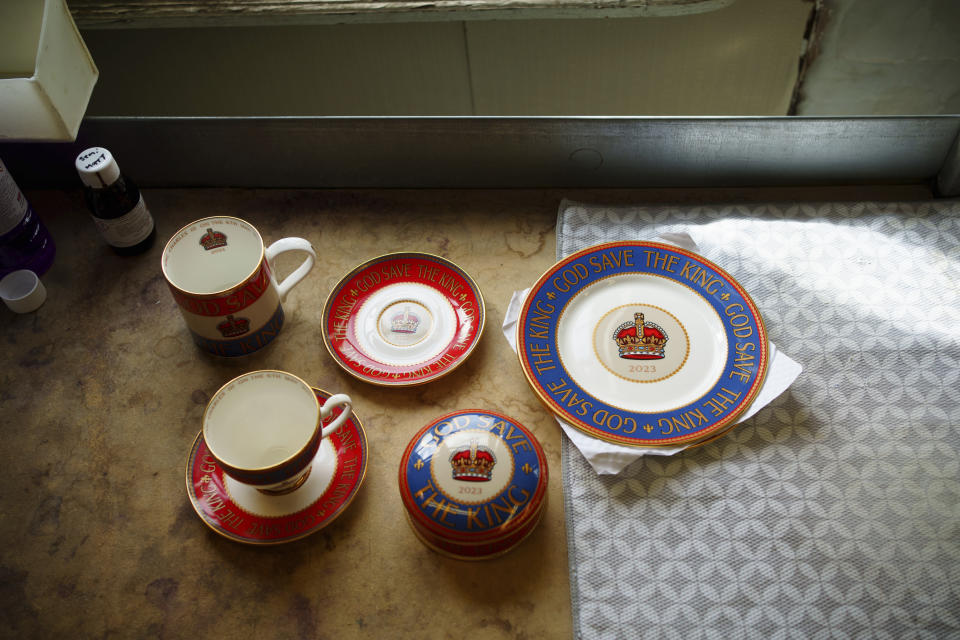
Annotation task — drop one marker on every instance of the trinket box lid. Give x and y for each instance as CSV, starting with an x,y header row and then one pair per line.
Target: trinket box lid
x,y
473,476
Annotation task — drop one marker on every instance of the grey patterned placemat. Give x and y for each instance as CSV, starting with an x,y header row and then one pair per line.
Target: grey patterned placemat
x,y
835,511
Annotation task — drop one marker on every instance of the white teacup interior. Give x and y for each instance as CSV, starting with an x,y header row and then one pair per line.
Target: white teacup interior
x,y
261,419
211,255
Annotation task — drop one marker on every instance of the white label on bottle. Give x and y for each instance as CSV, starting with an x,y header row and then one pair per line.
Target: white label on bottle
x,y
129,229
13,206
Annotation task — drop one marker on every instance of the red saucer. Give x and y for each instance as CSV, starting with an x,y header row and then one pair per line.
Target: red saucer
x,y
242,514
403,319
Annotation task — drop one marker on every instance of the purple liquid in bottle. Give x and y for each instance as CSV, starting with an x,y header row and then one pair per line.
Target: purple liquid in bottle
x,y
27,246
25,242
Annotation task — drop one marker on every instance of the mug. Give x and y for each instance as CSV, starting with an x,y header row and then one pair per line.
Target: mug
x,y
264,429
222,279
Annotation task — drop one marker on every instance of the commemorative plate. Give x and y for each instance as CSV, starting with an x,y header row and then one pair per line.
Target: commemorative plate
x,y
403,319
642,344
241,513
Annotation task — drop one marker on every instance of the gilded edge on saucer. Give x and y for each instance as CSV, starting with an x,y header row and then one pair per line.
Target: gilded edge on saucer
x,y
740,381
438,273
211,501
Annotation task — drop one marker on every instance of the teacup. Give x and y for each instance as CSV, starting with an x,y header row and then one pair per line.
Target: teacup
x,y
264,428
222,278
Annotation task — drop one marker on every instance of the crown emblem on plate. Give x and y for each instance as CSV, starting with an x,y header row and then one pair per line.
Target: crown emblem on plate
x,y
640,340
233,327
473,463
405,322
213,239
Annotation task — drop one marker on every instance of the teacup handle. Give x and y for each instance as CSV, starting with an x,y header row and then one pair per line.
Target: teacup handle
x,y
291,244
328,407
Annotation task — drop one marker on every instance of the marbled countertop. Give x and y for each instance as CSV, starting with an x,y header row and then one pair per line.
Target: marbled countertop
x,y
102,395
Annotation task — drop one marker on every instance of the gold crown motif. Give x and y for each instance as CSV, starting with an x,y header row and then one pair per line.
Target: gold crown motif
x,y
213,239
233,327
405,322
640,340
473,463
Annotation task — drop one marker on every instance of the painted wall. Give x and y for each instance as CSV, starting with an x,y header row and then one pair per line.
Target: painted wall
x,y
867,57
885,57
741,59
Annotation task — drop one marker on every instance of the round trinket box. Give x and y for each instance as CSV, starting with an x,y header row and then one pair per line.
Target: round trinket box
x,y
473,483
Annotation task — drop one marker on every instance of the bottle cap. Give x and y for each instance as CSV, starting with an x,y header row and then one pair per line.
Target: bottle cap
x,y
22,291
97,168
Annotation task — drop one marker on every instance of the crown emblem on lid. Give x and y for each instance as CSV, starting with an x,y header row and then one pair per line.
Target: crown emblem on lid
x,y
640,340
473,463
213,239
405,322
233,327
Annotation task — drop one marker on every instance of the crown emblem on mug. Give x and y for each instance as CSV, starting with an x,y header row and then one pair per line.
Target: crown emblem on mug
x,y
233,327
405,322
640,340
213,239
473,463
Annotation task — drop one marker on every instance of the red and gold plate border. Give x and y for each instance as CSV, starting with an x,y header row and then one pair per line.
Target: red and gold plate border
x,y
458,288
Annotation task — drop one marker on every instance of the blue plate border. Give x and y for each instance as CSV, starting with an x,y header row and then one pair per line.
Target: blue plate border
x,y
707,416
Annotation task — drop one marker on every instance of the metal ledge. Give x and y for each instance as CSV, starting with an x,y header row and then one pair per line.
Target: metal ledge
x,y
948,179
144,14
478,152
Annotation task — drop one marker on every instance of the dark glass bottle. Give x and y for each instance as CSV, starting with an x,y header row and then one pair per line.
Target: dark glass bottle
x,y
115,203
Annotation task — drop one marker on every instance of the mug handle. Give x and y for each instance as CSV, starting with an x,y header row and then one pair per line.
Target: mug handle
x,y
291,244
327,408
